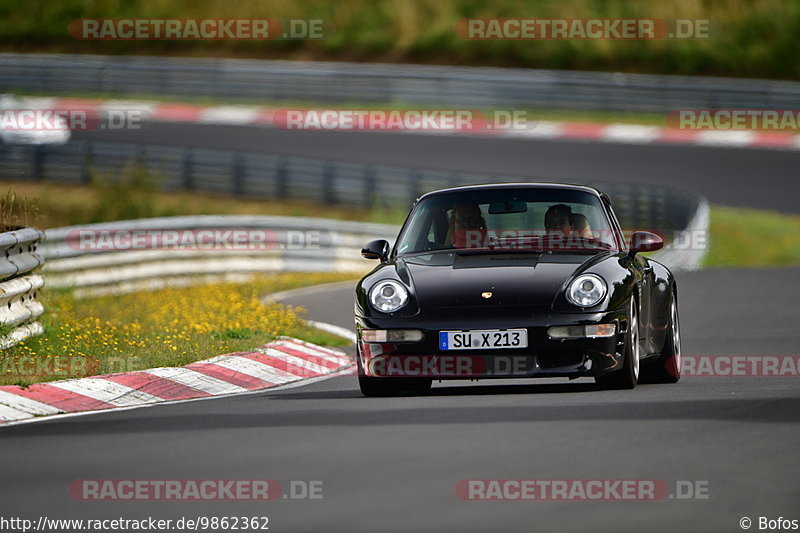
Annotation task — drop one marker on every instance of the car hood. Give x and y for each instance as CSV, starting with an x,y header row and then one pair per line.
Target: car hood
x,y
514,279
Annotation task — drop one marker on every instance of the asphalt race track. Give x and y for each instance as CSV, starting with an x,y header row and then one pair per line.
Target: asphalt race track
x,y
392,464
767,179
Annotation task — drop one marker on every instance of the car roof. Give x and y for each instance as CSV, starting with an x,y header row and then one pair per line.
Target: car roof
x,y
510,185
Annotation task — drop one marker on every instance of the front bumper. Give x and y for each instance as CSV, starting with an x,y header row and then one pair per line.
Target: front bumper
x,y
544,357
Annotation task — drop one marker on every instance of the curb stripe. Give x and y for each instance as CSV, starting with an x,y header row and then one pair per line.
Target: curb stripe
x,y
775,139
28,405
178,112
15,401
337,357
230,376
106,391
157,386
290,363
62,399
668,136
580,130
312,348
631,133
725,137
229,115
196,380
276,364
615,133
322,362
279,363
252,363
9,414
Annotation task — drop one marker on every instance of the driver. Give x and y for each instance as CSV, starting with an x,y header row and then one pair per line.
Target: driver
x,y
467,226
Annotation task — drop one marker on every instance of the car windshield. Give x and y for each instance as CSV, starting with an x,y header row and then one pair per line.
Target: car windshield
x,y
508,219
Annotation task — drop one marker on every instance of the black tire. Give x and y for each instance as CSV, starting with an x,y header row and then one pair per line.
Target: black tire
x,y
383,387
628,376
417,384
667,368
379,387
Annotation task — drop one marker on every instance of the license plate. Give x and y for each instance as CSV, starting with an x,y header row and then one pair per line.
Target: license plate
x,y
483,339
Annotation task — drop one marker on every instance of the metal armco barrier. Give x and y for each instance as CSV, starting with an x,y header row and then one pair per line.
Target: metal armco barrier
x,y
19,288
258,175
77,256
340,82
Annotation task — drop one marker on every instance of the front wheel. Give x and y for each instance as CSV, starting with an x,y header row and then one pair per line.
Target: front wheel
x,y
667,368
628,376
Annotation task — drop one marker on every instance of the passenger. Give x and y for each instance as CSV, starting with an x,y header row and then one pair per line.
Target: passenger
x,y
580,226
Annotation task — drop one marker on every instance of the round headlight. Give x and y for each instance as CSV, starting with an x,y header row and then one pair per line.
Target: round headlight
x,y
587,290
388,296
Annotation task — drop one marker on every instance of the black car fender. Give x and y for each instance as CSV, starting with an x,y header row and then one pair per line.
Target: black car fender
x,y
619,276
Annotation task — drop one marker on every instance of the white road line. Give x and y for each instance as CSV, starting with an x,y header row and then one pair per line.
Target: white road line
x,y
334,329
106,391
196,380
26,404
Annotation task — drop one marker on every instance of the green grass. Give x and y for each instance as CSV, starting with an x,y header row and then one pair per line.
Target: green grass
x,y
50,205
751,38
169,327
741,237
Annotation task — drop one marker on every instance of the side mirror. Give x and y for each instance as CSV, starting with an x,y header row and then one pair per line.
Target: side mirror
x,y
644,241
376,250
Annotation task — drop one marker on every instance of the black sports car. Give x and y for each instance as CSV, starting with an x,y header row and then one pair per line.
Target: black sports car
x,y
515,280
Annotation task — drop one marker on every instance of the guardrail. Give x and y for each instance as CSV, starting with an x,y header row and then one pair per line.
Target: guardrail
x,y
19,287
329,82
285,244
259,175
